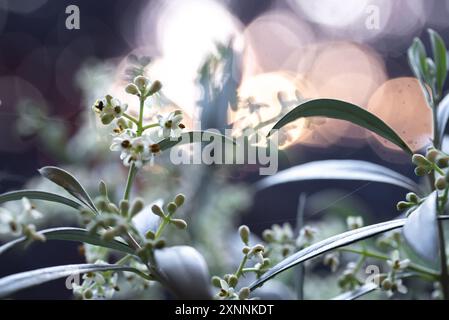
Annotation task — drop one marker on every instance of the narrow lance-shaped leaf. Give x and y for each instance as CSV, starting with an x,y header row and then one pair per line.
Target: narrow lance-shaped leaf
x,y
440,59
193,137
420,229
342,110
340,170
326,245
417,59
72,234
39,195
19,281
443,117
67,181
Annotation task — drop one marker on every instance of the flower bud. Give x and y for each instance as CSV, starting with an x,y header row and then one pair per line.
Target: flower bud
x,y
268,235
386,284
159,244
109,235
101,204
244,293
266,262
244,234
216,281
258,248
420,160
441,183
402,205
141,82
443,162
246,250
113,208
157,211
421,171
149,235
171,208
124,207
88,294
132,89
179,223
103,189
107,118
432,155
412,197
136,207
233,280
179,200
155,87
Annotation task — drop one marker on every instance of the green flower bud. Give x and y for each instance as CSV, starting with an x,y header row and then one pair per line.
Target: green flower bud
x,y
141,82
268,235
244,234
412,197
107,118
246,250
88,294
171,208
232,281
258,248
159,244
109,235
113,208
441,183
157,211
155,87
420,160
150,235
132,89
386,284
402,205
432,155
216,281
179,199
149,245
124,207
136,207
244,293
421,171
179,223
266,262
101,204
443,162
103,189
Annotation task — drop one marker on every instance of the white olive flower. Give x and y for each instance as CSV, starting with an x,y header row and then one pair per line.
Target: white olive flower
x,y
396,263
170,125
306,236
117,107
391,287
29,210
354,222
8,223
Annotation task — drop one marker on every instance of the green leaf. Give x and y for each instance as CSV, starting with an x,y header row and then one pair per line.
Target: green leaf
x,y
341,110
443,117
19,281
39,195
340,170
326,245
420,230
440,59
417,59
193,137
357,293
72,234
67,181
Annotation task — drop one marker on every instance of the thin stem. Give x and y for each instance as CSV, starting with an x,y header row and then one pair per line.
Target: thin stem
x,y
140,123
240,271
160,229
131,174
131,118
153,125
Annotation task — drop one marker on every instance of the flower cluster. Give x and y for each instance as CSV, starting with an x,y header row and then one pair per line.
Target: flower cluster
x,y
98,285
22,223
137,142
